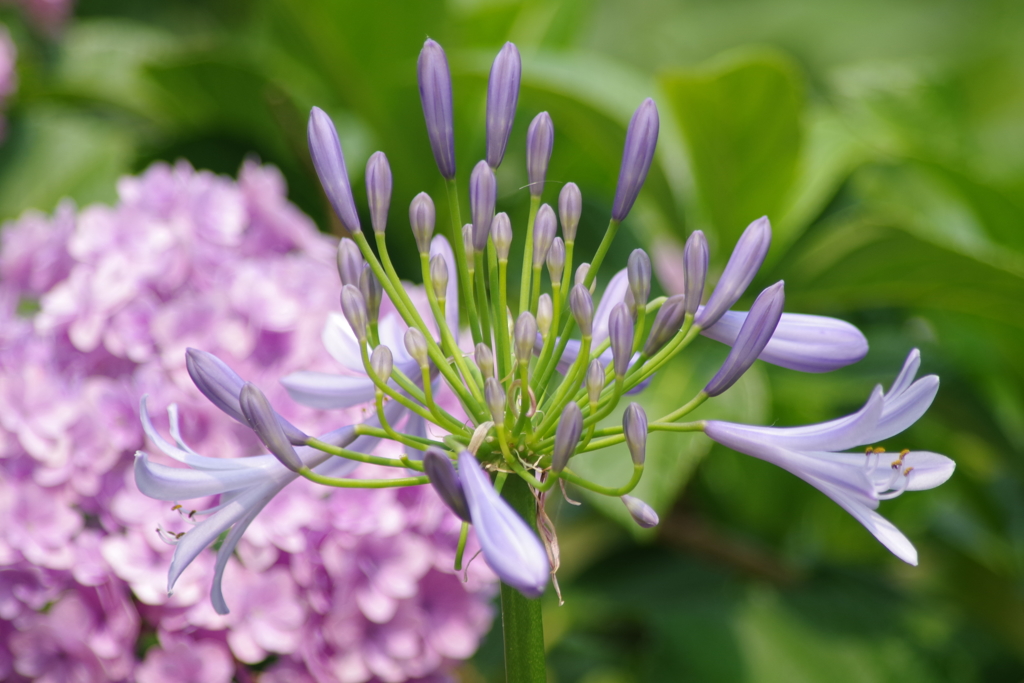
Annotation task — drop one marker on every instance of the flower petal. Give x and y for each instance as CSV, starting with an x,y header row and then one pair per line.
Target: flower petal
x,y
510,546
184,483
327,391
905,408
807,343
614,293
340,341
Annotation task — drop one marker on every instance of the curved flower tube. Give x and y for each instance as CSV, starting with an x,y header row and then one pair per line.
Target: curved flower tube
x,y
510,546
856,481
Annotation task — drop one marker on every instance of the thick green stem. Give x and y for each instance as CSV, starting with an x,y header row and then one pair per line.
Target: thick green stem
x,y
521,616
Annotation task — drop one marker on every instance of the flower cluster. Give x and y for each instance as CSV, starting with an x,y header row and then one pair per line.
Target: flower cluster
x,y
530,380
97,308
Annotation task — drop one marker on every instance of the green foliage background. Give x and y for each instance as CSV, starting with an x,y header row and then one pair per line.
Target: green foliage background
x,y
885,140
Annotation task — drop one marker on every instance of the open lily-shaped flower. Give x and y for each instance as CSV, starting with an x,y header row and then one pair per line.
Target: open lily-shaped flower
x,y
245,485
328,391
856,481
807,343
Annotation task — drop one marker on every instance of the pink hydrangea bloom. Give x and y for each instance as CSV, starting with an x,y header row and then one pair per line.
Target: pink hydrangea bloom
x,y
97,308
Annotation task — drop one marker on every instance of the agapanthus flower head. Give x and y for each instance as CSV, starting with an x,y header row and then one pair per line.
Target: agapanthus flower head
x,y
546,367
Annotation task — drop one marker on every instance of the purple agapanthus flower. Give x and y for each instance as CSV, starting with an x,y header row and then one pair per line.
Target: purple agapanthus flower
x,y
856,481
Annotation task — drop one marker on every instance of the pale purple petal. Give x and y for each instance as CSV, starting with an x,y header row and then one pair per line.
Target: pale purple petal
x,y
327,391
614,293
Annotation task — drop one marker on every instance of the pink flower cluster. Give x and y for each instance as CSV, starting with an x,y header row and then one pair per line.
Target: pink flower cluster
x,y
96,309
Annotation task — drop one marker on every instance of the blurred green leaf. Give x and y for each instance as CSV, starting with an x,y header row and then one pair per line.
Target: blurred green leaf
x,y
671,456
741,119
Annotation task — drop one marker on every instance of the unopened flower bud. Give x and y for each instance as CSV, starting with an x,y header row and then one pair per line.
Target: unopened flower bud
x,y
416,345
435,81
667,322
264,421
378,190
354,308
540,140
746,259
372,291
582,306
484,358
501,233
556,259
620,334
755,333
439,469
467,243
525,336
641,139
544,229
570,207
494,396
502,95
634,428
545,314
483,188
567,436
642,513
382,363
329,162
421,217
439,277
595,380
638,270
630,302
695,270
581,276
350,262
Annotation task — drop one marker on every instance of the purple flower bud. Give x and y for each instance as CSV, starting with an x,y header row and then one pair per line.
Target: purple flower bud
x,y
421,218
484,358
372,291
667,323
445,480
263,420
641,139
439,277
222,386
511,548
501,233
329,162
416,345
582,306
378,190
556,259
483,188
544,229
435,82
695,270
620,333
642,513
638,270
354,308
595,380
502,95
540,139
746,258
545,313
756,332
494,396
350,262
567,436
467,243
382,362
525,335
634,428
570,207
581,276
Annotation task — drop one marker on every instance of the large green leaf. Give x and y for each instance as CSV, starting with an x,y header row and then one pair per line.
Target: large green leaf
x,y
671,456
742,123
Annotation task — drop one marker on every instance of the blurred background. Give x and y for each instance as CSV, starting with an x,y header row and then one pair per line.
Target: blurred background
x,y
885,141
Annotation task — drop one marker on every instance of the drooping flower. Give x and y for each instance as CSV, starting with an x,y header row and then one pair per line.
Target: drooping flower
x,y
856,481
